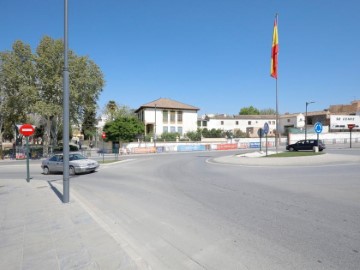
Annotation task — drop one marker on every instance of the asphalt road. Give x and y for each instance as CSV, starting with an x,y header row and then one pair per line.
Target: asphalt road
x,y
181,211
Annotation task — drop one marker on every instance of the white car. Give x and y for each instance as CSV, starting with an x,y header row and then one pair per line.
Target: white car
x,y
77,164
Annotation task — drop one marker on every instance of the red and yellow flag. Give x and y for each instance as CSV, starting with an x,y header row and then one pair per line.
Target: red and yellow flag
x,y
274,52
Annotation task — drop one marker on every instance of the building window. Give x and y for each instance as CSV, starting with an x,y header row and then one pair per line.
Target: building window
x,y
172,117
165,116
172,129
165,129
273,122
249,122
199,123
180,130
179,116
237,123
288,120
222,123
204,123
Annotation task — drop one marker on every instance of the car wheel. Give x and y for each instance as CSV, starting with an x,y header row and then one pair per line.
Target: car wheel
x,y
291,149
46,170
72,170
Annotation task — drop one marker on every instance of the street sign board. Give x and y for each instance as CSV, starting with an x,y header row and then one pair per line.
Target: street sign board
x,y
103,135
266,128
27,130
260,132
351,126
318,127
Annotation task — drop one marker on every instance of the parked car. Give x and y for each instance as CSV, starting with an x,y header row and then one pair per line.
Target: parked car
x,y
77,164
306,145
72,148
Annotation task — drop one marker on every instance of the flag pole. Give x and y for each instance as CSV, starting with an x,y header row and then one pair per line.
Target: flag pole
x,y
277,100
277,137
274,74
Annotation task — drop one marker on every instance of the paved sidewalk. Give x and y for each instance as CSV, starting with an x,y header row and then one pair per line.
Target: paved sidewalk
x,y
38,231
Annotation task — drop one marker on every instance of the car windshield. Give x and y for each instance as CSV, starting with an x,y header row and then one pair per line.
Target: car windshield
x,y
76,157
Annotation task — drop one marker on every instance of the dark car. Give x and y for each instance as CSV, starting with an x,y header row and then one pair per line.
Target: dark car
x,y
306,145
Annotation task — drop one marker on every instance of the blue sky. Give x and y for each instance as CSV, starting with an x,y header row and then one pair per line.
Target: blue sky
x,y
213,54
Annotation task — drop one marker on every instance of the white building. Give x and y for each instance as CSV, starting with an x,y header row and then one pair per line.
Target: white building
x,y
250,124
295,120
166,115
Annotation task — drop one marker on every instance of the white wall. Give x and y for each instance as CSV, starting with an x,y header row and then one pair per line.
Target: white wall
x,y
189,120
243,124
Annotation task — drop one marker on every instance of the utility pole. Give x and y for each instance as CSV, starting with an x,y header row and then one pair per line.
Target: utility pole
x,y
66,124
307,103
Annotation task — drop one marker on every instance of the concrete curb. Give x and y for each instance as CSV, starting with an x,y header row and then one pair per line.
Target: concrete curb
x,y
318,160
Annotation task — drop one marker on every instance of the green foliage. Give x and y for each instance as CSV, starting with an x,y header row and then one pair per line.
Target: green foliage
x,y
124,129
194,136
170,136
249,111
17,86
268,111
88,125
32,83
239,134
114,110
213,133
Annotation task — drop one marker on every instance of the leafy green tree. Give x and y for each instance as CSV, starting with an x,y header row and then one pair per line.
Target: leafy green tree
x,y
17,86
124,128
194,135
213,133
114,110
49,65
89,124
268,111
249,111
33,83
239,134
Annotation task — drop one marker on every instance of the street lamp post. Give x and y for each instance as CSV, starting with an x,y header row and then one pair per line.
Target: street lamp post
x,y
155,130
307,103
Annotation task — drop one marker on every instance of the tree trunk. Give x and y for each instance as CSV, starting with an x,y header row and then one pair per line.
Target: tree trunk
x,y
46,139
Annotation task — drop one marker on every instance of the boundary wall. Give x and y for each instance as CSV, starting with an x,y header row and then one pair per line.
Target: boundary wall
x,y
328,138
243,143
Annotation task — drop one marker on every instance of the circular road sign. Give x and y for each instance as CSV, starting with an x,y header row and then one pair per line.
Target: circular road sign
x,y
260,132
266,128
318,127
351,126
27,130
103,135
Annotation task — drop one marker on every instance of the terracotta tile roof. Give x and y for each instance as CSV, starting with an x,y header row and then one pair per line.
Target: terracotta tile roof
x,y
165,103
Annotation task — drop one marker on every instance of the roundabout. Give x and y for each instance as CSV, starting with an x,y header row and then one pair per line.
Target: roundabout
x,y
260,159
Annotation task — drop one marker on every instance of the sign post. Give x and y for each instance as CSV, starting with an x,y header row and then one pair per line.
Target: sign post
x,y
260,134
351,126
27,130
266,131
103,136
318,129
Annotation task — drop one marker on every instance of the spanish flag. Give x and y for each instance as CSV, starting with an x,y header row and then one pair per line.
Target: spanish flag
x,y
274,52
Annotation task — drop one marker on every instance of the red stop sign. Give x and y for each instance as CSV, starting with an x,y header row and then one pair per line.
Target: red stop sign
x,y
103,135
351,126
27,130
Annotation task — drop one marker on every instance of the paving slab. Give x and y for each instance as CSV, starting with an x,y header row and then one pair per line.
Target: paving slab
x,y
38,231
